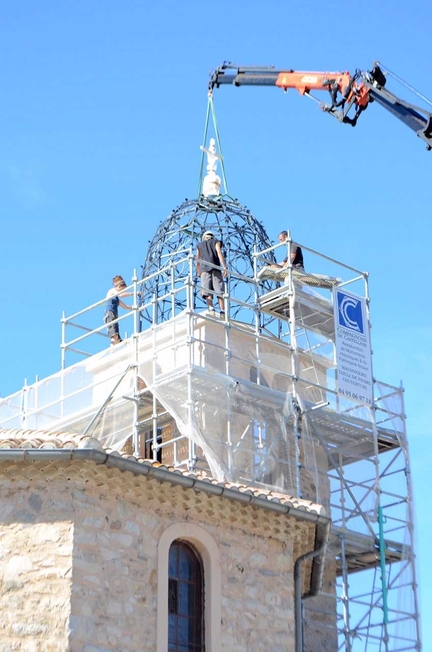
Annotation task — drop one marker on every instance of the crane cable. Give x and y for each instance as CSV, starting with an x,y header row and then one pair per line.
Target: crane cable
x,y
404,83
211,110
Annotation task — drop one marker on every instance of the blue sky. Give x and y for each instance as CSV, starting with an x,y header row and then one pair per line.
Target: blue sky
x,y
102,114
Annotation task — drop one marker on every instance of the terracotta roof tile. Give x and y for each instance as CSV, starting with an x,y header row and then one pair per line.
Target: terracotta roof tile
x,y
43,440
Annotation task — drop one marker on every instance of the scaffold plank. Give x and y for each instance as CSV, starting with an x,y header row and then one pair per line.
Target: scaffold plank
x,y
307,278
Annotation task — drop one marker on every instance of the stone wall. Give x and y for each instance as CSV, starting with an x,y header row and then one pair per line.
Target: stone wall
x,y
35,568
79,546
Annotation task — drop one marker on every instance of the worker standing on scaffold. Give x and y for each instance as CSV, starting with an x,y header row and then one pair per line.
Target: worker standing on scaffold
x,y
112,305
208,259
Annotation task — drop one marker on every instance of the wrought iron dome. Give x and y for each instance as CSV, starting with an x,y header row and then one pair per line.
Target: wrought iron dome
x,y
177,238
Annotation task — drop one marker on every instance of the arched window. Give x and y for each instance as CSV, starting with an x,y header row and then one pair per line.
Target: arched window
x,y
206,550
185,599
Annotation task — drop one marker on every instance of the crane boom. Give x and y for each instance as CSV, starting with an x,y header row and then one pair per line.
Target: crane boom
x,y
347,92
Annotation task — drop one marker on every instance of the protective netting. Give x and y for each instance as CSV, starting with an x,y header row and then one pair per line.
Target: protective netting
x,y
87,397
234,407
230,390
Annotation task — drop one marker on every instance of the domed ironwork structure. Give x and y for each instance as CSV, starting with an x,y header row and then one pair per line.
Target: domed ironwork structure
x,y
177,238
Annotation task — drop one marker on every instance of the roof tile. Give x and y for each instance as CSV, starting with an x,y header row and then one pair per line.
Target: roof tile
x,y
43,440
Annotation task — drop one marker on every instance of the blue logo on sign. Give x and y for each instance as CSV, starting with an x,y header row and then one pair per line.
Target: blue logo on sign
x,y
350,312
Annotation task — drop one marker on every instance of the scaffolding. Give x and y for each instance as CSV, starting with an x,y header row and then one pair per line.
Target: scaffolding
x,y
253,398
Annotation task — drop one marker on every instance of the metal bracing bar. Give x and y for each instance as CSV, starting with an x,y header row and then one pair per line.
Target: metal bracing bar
x,y
351,516
172,292
345,603
336,468
83,353
135,337
385,473
373,605
174,440
36,393
243,435
352,513
401,501
313,251
401,615
107,400
368,489
358,458
402,585
361,483
154,421
310,383
411,526
43,409
191,462
88,330
319,345
359,598
98,329
232,274
345,599
295,405
154,310
24,401
149,419
161,270
63,341
389,395
396,530
154,370
62,386
353,407
342,496
352,280
351,451
401,571
84,310
227,355
369,622
391,417
167,295
184,250
192,457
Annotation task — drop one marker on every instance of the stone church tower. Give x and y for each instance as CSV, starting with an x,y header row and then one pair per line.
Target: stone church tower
x,y
203,485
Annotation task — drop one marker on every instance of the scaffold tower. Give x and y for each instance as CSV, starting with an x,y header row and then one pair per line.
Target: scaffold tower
x,y
252,398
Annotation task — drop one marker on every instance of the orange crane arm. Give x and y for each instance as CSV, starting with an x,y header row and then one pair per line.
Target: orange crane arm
x,y
334,82
346,92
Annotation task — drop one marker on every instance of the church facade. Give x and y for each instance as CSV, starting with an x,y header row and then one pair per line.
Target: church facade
x,y
107,552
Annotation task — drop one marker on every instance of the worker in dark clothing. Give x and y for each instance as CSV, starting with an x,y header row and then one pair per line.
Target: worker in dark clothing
x,y
296,254
209,261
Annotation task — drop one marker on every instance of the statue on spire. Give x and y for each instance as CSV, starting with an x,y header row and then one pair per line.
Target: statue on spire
x,y
212,182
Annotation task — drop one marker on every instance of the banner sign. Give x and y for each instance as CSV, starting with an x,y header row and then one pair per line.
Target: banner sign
x,y
353,351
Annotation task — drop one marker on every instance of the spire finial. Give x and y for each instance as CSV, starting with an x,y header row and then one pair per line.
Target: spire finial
x,y
212,182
